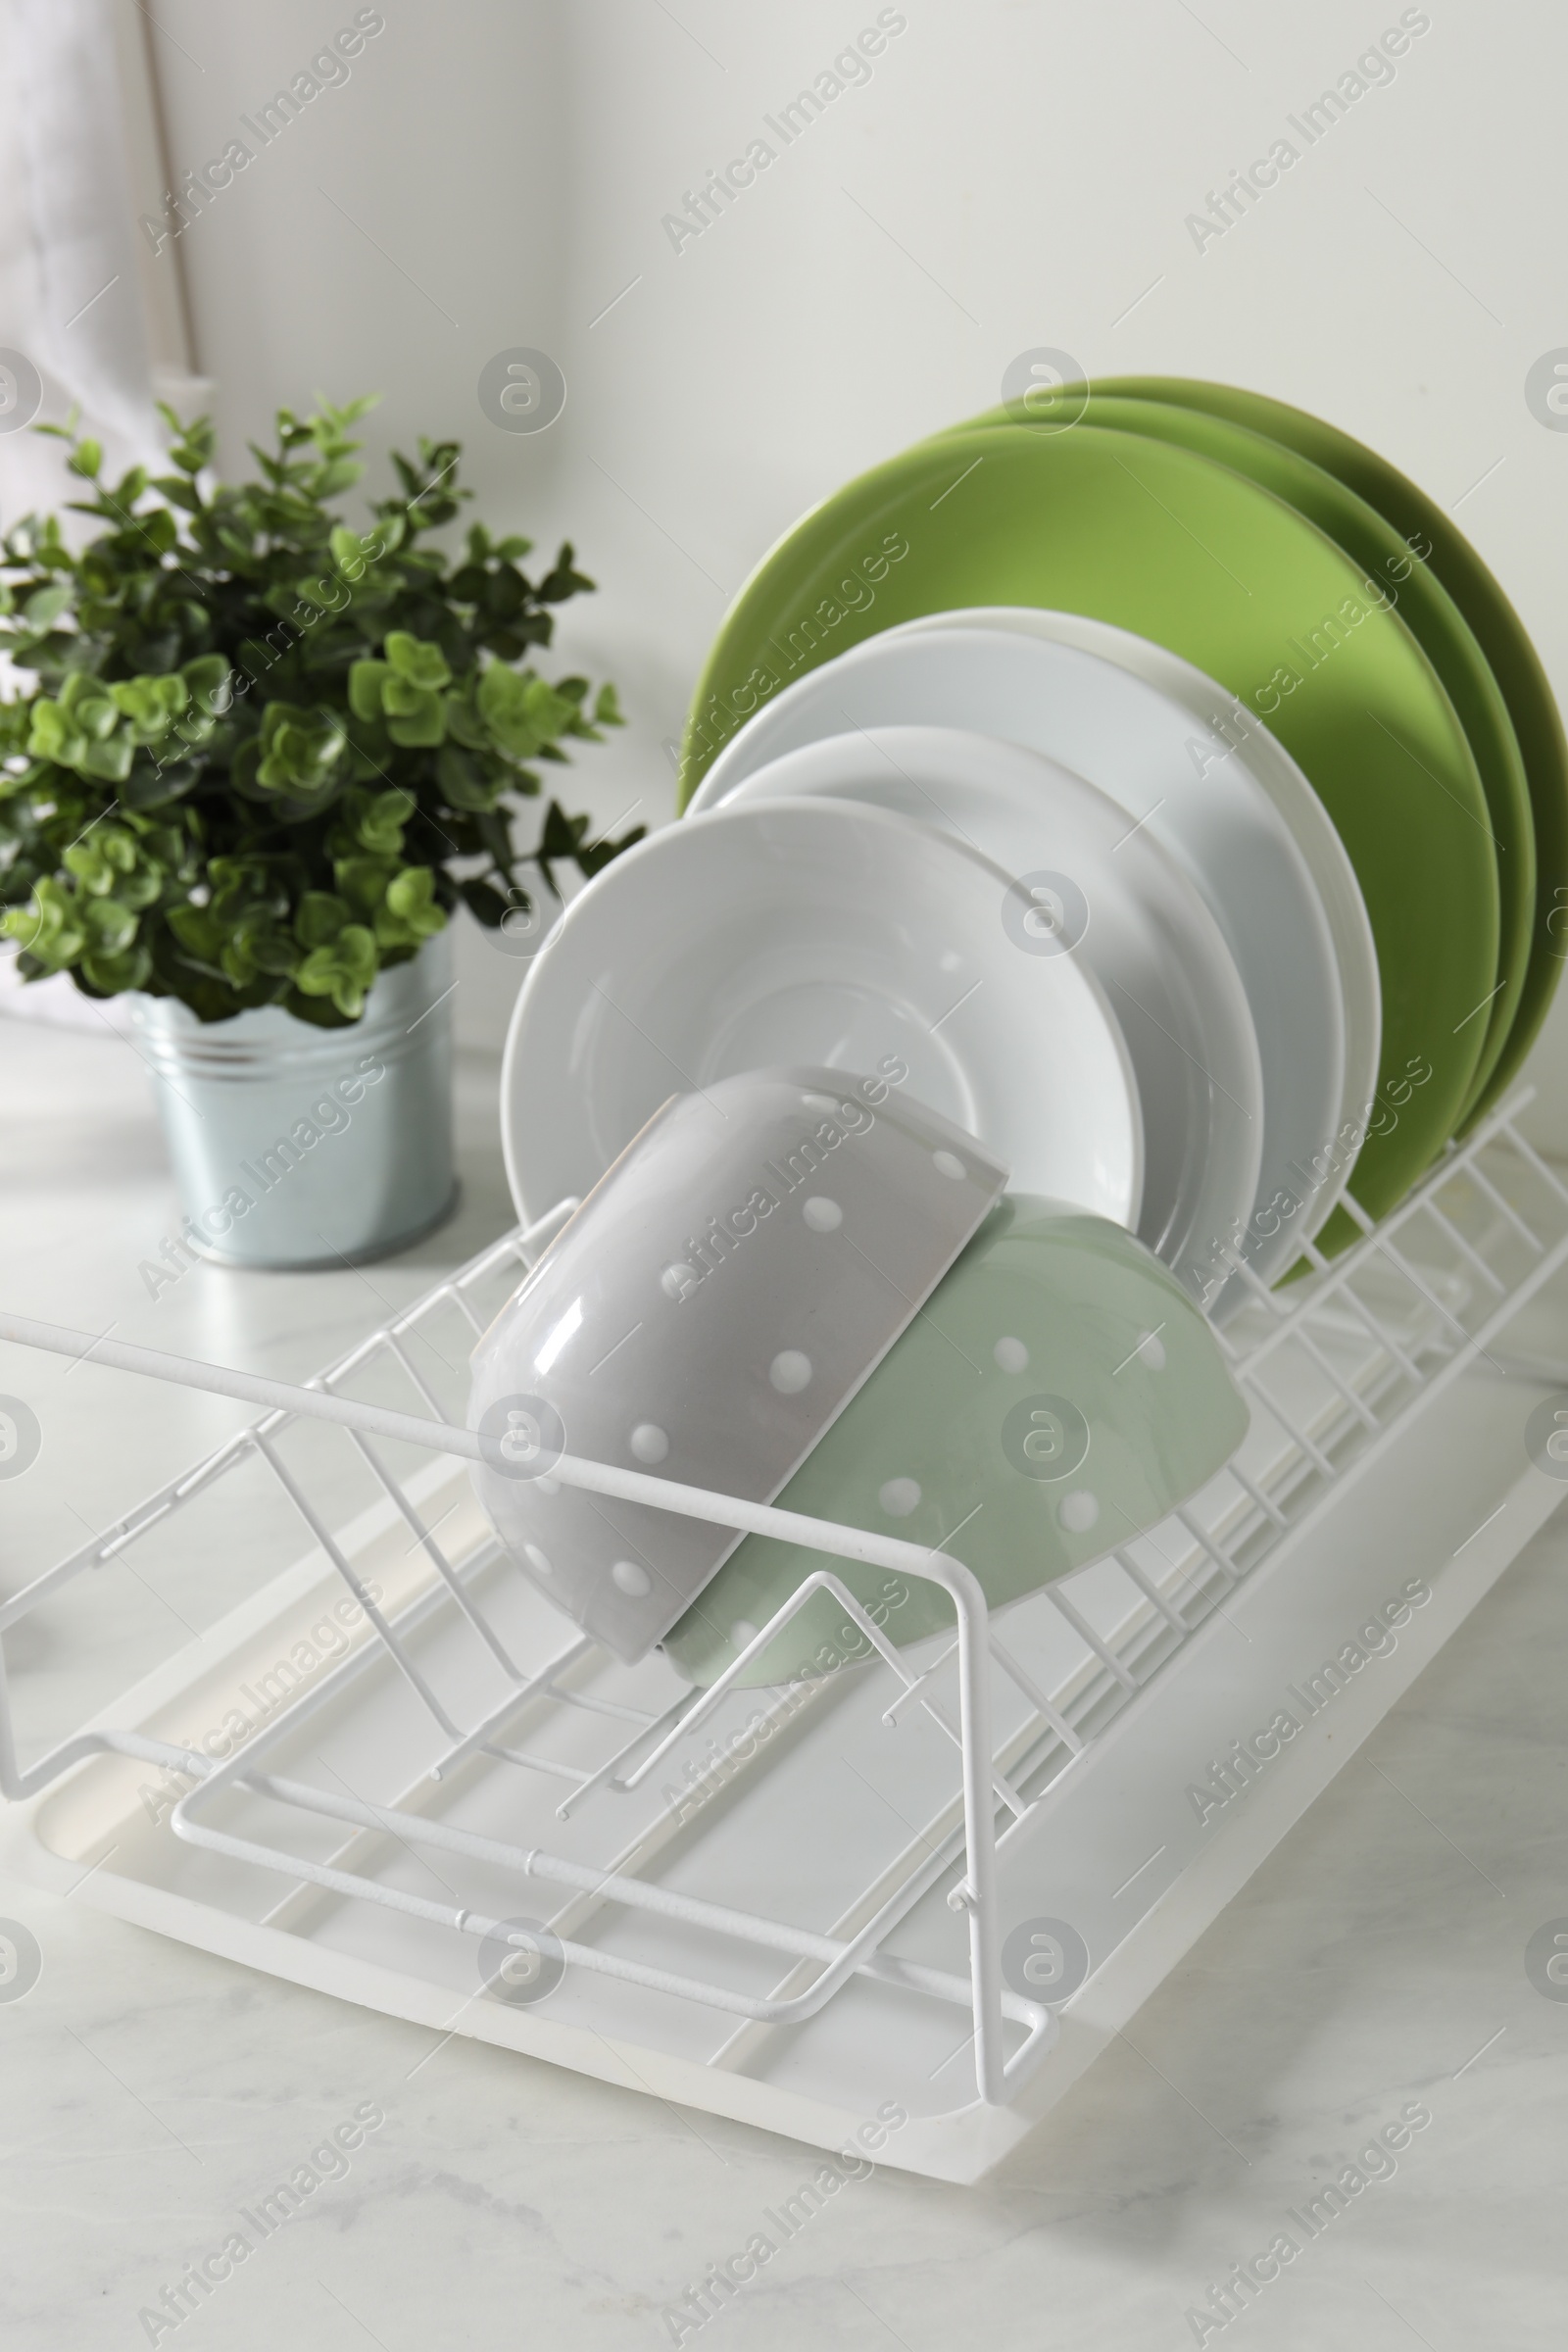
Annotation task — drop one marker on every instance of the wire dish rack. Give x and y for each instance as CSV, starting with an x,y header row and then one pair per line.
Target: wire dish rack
x,y
942,1875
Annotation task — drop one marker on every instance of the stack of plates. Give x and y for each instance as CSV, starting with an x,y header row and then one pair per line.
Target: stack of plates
x,y
1158,787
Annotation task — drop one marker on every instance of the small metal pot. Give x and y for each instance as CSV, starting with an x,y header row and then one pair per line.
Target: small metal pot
x,y
298,1147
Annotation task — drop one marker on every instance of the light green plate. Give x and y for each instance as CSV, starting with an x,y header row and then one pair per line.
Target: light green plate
x,y
1497,629
1439,627
1168,544
1057,1376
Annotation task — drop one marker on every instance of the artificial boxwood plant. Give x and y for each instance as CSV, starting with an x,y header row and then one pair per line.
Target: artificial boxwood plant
x,y
262,755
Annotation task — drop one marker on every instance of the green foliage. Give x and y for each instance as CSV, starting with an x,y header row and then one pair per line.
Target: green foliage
x,y
264,753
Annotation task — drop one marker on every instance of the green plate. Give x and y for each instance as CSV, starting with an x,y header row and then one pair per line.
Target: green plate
x,y
1438,627
1182,550
1497,630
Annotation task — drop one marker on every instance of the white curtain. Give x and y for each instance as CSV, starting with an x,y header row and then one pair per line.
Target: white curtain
x,y
70,299
72,303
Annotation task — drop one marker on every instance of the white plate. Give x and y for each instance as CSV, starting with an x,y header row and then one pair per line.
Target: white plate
x,y
1134,720
823,932
1148,940
1213,819
1260,756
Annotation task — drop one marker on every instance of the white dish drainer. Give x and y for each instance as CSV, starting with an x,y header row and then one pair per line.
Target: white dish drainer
x,y
788,1906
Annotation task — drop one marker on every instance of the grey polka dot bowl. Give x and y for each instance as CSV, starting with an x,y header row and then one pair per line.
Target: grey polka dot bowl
x,y
707,1315
1059,1393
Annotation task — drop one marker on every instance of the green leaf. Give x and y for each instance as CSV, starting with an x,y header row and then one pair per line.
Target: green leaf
x,y
343,971
191,446
157,530
486,903
591,857
362,881
101,859
88,706
107,762
179,492
414,716
503,700
50,928
299,748
319,1011
380,821
140,890
209,682
110,926
244,769
341,474
261,944
365,681
52,736
44,606
420,664
152,705
464,723
197,930
354,556
550,711
86,459
462,783
411,914
109,974
320,918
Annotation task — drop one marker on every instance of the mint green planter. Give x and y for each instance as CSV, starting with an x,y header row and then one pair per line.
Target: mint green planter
x,y
1057,1395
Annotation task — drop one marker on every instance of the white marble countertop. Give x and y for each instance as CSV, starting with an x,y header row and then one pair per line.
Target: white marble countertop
x,y
1374,1965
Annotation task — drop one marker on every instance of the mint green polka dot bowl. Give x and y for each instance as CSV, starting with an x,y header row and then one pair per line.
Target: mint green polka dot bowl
x,y
1057,1395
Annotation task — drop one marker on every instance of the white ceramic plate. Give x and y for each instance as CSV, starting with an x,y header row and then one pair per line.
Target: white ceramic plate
x,y
821,932
1261,757
1134,720
1143,930
1230,756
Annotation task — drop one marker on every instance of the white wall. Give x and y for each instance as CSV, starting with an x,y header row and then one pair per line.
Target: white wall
x,y
1016,174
